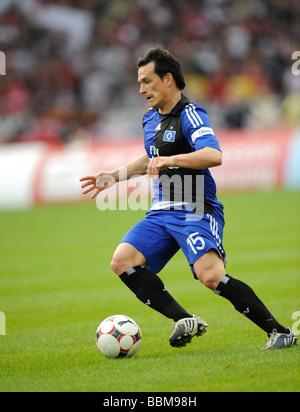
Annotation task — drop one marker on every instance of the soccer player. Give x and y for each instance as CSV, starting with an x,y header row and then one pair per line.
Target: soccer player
x,y
180,147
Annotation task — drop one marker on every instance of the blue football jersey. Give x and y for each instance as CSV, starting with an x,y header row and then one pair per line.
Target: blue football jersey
x,y
185,129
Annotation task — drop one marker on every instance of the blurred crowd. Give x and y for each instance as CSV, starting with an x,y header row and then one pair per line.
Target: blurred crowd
x,y
71,64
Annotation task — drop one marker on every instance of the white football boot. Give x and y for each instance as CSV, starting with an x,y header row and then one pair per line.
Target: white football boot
x,y
185,329
281,340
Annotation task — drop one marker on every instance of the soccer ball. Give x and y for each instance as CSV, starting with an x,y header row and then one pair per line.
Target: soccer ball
x,y
118,336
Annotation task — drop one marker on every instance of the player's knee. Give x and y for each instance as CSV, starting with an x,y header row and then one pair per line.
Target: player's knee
x,y
117,265
209,278
121,260
209,270
211,281
120,263
126,257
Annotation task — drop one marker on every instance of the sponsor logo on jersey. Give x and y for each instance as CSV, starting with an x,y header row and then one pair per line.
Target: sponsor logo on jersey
x,y
202,132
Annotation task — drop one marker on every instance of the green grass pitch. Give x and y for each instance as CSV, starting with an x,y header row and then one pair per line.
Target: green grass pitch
x,y
56,286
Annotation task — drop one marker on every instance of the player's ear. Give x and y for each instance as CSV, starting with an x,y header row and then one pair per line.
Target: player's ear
x,y
168,79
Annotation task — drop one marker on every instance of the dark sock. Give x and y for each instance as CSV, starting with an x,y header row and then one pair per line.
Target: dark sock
x,y
150,290
246,302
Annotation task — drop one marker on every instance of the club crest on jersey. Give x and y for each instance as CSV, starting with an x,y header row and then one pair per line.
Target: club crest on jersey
x,y
169,136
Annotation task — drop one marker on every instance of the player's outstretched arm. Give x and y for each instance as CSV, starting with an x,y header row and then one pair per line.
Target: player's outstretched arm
x,y
105,179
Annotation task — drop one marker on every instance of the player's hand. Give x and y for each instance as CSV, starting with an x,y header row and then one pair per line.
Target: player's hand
x,y
98,182
159,163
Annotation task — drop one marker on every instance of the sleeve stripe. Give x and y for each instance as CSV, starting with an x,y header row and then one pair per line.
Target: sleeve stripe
x,y
193,116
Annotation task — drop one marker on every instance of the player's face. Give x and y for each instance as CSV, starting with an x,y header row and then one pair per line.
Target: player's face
x,y
152,86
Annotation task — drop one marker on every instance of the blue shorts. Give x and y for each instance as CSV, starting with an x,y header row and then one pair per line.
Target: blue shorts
x,y
163,232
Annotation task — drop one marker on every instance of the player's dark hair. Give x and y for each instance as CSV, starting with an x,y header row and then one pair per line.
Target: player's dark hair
x,y
164,63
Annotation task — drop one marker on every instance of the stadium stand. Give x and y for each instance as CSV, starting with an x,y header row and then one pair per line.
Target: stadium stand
x,y
71,64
